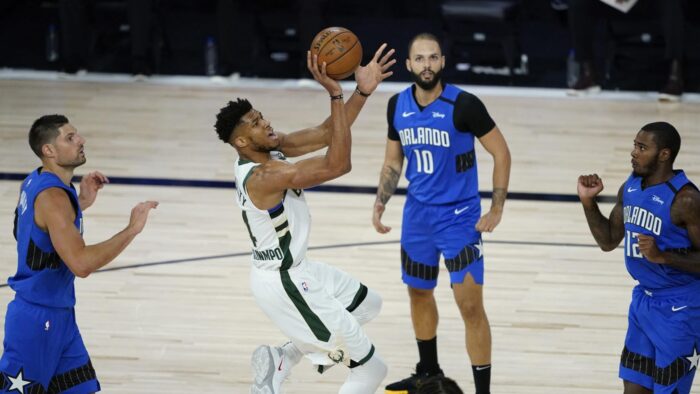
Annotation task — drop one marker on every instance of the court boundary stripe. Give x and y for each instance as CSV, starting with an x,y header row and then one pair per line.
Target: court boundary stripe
x,y
331,246
138,181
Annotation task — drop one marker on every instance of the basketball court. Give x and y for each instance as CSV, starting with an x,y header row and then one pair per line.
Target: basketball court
x,y
174,313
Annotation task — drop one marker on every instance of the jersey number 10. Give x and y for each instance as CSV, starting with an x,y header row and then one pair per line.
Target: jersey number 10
x,y
424,160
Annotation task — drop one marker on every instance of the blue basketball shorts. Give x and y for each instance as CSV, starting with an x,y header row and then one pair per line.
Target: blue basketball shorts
x,y
427,231
662,346
44,352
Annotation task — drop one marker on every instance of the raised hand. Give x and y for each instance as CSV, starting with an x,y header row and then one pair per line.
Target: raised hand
x,y
89,186
370,75
328,83
589,186
139,215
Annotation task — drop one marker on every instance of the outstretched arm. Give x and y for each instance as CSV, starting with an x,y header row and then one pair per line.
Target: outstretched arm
x,y
55,214
607,232
368,78
496,145
685,212
388,180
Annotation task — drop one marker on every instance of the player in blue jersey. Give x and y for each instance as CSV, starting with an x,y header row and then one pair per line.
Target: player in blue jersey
x,y
433,125
43,349
658,215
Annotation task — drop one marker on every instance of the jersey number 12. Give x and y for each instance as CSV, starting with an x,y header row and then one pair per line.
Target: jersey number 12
x,y
632,245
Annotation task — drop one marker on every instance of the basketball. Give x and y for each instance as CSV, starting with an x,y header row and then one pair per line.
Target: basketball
x,y
340,49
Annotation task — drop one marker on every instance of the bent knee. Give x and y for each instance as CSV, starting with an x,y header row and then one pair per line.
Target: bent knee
x,y
369,308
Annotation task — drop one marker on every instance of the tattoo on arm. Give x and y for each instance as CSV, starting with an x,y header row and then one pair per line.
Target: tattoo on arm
x,y
387,184
498,198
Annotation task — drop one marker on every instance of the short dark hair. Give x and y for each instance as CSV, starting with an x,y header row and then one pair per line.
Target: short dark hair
x,y
439,385
45,130
422,36
666,137
230,116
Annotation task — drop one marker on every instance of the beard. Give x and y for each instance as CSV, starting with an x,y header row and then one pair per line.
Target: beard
x,y
647,170
427,85
73,163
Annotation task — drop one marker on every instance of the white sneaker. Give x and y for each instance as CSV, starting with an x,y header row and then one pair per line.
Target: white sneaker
x,y
270,368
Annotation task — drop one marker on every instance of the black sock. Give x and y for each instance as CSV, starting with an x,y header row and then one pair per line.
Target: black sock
x,y
427,353
482,378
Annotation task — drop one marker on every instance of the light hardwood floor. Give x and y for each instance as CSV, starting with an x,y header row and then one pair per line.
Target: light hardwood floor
x,y
557,305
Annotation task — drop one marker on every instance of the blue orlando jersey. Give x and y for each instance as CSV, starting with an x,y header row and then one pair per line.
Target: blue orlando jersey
x,y
441,161
648,211
42,277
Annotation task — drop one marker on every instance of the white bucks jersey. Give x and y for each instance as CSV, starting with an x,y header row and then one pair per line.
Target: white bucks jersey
x,y
279,235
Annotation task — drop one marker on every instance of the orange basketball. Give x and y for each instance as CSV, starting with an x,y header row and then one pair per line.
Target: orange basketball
x,y
340,49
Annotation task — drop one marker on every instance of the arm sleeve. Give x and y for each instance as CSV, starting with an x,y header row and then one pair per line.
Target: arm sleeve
x,y
390,111
470,115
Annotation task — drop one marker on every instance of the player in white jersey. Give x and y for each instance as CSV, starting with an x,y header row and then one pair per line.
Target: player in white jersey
x,y
320,308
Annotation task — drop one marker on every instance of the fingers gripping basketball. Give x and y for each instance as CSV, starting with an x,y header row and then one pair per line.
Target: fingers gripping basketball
x,y
340,49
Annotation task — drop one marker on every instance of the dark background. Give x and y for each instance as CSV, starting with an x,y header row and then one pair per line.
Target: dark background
x,y
629,50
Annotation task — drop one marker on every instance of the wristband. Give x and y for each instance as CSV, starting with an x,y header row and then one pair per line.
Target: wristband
x,y
360,92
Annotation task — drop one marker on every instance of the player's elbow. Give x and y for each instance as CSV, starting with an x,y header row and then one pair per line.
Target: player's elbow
x,y
503,156
607,247
81,273
346,168
340,169
79,269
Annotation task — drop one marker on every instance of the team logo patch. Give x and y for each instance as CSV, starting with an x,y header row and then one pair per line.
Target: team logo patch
x,y
694,360
337,356
657,199
17,383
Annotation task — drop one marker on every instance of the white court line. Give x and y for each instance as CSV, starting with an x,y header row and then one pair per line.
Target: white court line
x,y
305,84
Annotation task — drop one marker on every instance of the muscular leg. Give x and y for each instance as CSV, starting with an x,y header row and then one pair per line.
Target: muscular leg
x,y
469,298
424,313
634,388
